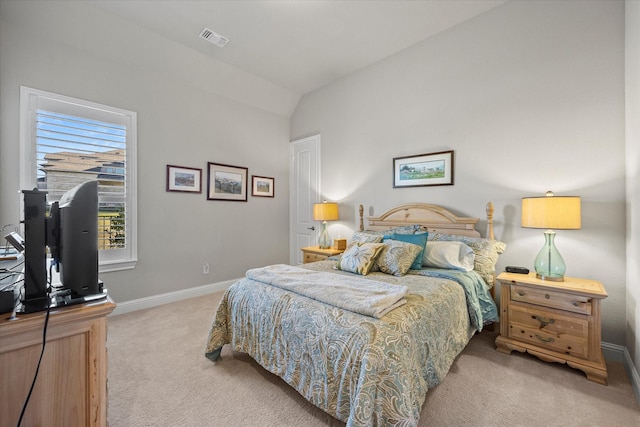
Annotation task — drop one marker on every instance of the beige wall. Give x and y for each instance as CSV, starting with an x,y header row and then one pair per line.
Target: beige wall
x,y
189,113
531,99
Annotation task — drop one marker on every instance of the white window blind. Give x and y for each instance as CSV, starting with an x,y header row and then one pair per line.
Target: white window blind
x,y
72,150
66,142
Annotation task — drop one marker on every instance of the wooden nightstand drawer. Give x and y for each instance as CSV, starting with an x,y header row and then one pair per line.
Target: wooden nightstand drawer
x,y
553,299
311,257
315,253
562,333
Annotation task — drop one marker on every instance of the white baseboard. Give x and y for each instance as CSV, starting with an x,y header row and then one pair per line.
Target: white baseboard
x,y
633,373
613,352
618,353
156,300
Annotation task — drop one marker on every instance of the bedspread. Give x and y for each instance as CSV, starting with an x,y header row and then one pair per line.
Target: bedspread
x,y
362,370
352,292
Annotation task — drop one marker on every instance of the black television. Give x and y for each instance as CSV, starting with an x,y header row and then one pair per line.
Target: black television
x,y
74,248
71,233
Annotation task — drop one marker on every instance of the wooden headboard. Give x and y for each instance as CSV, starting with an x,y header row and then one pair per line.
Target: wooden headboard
x,y
433,218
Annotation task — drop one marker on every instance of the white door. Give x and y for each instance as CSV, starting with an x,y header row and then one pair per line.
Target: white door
x,y
305,191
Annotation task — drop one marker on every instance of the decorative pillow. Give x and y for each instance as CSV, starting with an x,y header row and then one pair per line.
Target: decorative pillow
x,y
419,239
443,254
402,229
396,257
486,251
362,237
359,258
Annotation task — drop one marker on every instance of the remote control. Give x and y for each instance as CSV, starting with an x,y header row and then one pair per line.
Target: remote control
x,y
519,270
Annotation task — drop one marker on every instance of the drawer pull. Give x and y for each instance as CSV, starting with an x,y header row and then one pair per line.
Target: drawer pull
x,y
547,296
575,303
545,340
543,320
520,293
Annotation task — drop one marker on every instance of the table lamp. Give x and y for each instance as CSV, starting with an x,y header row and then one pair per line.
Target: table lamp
x,y
325,212
551,212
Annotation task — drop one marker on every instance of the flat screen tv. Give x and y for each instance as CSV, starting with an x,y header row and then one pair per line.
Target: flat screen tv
x,y
74,248
71,233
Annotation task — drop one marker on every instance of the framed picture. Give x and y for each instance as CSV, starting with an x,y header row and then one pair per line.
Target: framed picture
x,y
227,182
262,186
184,179
423,169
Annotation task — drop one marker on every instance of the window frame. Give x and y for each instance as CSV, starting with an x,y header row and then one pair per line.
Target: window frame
x,y
33,99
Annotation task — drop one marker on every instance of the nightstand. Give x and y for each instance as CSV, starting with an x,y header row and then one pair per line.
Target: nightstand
x,y
555,321
314,253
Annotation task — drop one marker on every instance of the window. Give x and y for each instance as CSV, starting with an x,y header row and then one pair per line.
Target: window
x,y
67,141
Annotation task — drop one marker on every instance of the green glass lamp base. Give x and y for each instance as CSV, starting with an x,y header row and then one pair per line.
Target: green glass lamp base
x,y
550,278
324,241
549,264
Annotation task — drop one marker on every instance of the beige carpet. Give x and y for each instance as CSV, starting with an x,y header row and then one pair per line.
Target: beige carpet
x,y
158,376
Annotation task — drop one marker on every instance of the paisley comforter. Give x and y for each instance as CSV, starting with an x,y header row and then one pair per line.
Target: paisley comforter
x,y
360,369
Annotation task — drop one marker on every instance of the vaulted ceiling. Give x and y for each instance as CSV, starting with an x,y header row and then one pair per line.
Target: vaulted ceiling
x,y
299,45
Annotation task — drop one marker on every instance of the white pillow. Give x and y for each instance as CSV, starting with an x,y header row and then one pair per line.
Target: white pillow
x,y
443,254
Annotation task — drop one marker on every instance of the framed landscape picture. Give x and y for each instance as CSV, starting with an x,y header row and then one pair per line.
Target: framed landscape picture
x,y
423,169
227,182
262,186
183,179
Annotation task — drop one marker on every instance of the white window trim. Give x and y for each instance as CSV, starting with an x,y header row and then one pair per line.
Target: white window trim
x,y
28,164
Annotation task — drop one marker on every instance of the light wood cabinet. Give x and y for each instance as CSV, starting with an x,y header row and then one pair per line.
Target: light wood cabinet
x,y
71,389
314,253
555,321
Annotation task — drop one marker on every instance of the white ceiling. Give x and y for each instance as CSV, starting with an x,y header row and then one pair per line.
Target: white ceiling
x,y
299,45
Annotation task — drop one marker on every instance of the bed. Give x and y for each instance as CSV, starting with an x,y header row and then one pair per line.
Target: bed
x,y
368,360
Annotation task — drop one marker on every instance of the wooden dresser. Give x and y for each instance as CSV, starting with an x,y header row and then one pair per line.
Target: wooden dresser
x,y
71,389
555,321
314,253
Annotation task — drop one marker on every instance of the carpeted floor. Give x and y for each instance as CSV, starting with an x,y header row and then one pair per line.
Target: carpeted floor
x,y
158,376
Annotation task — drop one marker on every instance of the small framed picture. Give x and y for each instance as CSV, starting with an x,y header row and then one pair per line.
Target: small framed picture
x,y
183,179
423,169
262,186
227,182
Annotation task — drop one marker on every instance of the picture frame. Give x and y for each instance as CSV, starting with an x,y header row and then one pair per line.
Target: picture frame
x,y
262,186
423,170
183,179
227,182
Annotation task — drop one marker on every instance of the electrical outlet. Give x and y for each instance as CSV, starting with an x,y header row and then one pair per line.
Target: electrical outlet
x,y
205,268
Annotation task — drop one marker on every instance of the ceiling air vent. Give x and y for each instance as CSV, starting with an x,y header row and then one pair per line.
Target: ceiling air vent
x,y
213,37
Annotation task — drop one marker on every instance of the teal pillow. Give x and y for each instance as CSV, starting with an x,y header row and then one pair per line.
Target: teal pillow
x,y
419,239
